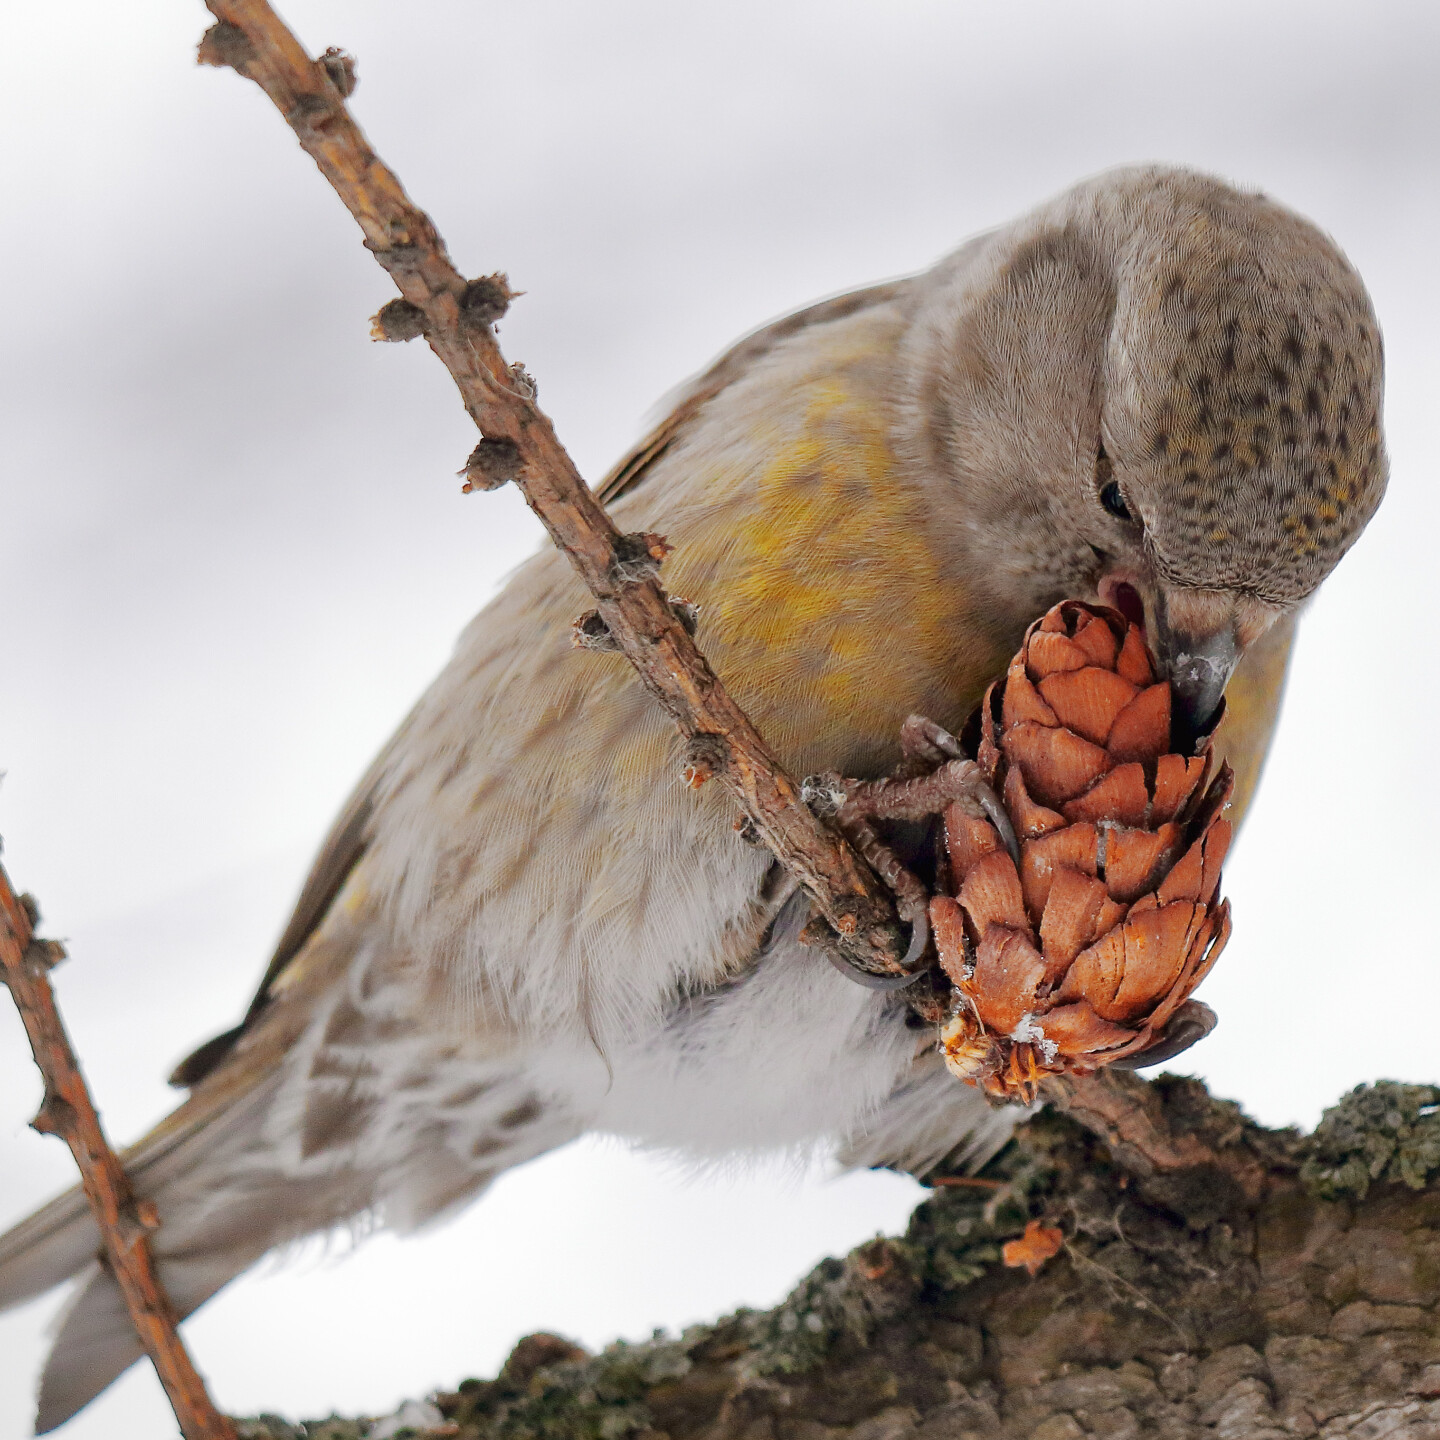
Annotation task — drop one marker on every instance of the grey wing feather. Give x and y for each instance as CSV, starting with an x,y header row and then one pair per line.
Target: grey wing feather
x,y
46,1248
96,1340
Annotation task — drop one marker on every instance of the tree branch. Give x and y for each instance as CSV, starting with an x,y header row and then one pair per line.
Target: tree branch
x,y
125,1222
1313,1310
1158,1136
634,613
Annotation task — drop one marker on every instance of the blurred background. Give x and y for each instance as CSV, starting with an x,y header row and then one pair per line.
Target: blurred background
x,y
233,547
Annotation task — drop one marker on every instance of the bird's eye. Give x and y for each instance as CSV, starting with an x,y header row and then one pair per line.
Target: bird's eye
x,y
1110,496
1114,501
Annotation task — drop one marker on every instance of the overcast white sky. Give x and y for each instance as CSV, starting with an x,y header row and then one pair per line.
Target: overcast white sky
x,y
233,548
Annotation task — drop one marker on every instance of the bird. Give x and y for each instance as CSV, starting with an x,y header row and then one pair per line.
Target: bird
x,y
1155,389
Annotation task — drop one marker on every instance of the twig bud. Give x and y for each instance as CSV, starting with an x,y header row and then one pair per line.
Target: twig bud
x,y
340,67
523,381
136,1220
823,793
687,612
491,464
637,557
44,954
397,321
704,755
590,632
395,253
484,301
55,1116
223,44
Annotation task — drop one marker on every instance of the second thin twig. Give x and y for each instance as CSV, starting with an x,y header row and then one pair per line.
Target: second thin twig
x,y
124,1222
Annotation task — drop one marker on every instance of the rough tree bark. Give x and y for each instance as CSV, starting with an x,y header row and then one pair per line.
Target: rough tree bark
x,y
1180,1306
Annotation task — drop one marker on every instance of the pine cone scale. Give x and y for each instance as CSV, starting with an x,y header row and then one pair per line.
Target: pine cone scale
x,y
1009,971
1121,796
991,894
1088,701
1071,919
1176,780
1057,764
1142,729
1031,818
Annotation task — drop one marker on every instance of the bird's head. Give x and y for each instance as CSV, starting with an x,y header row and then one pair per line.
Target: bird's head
x,y
1159,391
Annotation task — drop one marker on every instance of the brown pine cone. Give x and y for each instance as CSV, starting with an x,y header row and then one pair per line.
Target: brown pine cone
x,y
1083,955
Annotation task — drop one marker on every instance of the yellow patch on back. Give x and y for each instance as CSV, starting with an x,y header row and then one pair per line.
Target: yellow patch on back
x,y
829,615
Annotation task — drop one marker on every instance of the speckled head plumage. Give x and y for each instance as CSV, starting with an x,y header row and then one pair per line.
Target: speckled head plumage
x,y
1244,381
1155,385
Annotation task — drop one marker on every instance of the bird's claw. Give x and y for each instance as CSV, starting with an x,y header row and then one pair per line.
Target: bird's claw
x,y
983,793
868,978
926,742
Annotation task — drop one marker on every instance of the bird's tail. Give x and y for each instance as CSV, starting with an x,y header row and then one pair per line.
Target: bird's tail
x,y
53,1244
214,1224
228,1187
96,1341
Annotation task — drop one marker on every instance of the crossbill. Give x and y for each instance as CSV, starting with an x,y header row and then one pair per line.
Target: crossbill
x,y
1154,390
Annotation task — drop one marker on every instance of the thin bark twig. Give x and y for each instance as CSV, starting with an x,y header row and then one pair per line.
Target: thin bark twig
x,y
640,618
125,1222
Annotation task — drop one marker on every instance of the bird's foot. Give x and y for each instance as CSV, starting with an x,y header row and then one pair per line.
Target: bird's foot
x,y
934,774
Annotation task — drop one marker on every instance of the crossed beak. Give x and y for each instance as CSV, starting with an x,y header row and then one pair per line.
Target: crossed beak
x,y
1199,664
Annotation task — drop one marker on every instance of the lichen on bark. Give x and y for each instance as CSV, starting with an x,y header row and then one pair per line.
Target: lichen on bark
x,y
1178,1307
1383,1133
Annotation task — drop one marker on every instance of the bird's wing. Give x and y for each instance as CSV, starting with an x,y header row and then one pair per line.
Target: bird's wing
x,y
341,851
685,402
350,835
